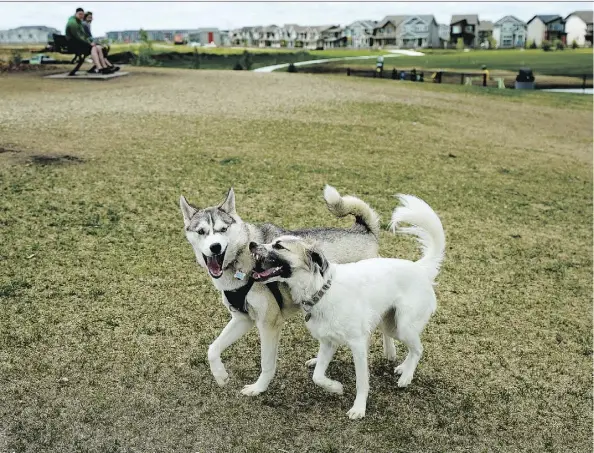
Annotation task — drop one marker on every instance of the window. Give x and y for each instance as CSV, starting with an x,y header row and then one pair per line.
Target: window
x,y
507,42
421,28
456,29
469,29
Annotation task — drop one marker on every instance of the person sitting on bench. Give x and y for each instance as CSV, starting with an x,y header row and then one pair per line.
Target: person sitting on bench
x,y
81,42
86,23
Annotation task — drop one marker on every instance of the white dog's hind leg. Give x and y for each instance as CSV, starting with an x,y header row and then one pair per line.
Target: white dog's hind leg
x,y
236,328
269,339
325,355
311,362
359,349
389,348
410,337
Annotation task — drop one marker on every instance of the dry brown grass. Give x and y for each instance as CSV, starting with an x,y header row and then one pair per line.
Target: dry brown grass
x,y
105,320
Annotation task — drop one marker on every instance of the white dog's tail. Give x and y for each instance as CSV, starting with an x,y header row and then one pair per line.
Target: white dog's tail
x,y
348,205
426,226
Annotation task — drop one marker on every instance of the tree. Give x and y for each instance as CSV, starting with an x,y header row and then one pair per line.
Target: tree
x,y
574,44
460,44
492,43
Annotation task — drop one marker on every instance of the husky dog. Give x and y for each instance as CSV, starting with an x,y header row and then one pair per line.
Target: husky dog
x,y
220,240
344,303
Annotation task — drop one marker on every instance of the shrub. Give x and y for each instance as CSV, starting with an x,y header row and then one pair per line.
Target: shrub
x,y
238,67
145,52
574,44
197,60
291,68
533,45
546,46
16,57
558,44
460,44
492,43
246,60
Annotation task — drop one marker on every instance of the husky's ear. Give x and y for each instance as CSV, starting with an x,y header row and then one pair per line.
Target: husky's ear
x,y
187,210
317,258
229,204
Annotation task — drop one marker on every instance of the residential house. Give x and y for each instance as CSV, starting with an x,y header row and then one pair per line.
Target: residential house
x,y
485,32
359,34
444,33
420,31
333,37
465,27
37,34
578,26
206,36
509,32
269,36
241,37
546,28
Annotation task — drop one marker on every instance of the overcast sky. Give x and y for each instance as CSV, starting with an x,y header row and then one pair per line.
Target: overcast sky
x,y
226,15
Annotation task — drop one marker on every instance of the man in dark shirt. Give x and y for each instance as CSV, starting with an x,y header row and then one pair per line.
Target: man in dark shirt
x,y
75,32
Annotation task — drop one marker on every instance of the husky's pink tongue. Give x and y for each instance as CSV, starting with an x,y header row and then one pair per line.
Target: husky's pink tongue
x,y
264,274
213,265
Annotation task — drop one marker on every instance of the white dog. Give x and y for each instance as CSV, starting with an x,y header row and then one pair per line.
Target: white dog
x,y
344,303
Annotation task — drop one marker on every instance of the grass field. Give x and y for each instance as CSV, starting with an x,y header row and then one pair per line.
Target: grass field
x,y
105,319
567,62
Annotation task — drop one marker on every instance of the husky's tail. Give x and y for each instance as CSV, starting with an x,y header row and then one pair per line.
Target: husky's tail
x,y
426,226
343,206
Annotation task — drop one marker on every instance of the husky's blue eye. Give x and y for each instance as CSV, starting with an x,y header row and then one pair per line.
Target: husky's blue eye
x,y
201,231
223,229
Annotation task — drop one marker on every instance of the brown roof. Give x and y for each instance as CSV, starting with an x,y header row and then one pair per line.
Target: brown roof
x,y
471,19
586,16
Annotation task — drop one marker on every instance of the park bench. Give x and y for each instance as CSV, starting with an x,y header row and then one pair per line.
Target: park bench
x,y
63,45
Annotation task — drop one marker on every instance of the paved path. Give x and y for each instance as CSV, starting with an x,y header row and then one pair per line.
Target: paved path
x,y
392,53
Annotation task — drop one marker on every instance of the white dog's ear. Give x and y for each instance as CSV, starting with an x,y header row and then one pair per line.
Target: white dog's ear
x,y
187,210
229,204
317,258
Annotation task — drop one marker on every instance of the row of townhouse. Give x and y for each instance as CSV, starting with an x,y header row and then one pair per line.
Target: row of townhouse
x,y
404,31
509,31
422,31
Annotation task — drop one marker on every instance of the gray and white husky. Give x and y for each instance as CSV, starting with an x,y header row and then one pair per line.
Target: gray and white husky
x,y
220,239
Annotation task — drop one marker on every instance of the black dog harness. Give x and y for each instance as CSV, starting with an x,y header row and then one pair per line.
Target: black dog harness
x,y
237,298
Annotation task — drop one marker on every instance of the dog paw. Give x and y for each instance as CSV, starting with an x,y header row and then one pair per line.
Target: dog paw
x,y
334,387
253,390
399,369
311,362
391,356
356,413
405,379
222,378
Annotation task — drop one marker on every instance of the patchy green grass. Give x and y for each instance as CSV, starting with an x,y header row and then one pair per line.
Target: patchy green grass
x,y
105,320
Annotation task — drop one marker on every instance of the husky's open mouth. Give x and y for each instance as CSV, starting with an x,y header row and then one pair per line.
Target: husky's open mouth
x,y
264,275
214,264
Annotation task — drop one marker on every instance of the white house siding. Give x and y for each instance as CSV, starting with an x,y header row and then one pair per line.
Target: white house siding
x,y
536,31
509,33
27,35
575,28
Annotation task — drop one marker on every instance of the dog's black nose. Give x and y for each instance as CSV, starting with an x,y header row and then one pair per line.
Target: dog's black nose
x,y
253,246
215,248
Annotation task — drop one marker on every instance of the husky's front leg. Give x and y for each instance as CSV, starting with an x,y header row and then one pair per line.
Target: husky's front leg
x,y
359,349
236,328
269,340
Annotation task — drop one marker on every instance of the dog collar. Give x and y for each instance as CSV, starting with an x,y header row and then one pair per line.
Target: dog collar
x,y
309,304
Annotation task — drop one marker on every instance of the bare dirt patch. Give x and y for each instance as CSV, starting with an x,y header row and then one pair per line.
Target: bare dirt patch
x,y
44,159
